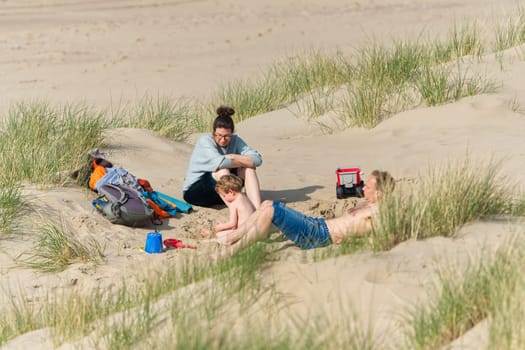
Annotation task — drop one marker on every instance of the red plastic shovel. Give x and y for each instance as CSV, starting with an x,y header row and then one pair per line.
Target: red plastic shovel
x,y
176,243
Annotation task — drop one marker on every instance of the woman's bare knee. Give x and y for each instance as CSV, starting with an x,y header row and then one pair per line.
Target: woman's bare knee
x,y
219,173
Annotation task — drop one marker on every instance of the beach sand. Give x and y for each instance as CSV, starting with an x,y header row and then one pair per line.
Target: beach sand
x,y
112,53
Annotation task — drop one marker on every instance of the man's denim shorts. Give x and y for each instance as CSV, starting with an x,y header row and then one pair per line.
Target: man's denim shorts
x,y
305,231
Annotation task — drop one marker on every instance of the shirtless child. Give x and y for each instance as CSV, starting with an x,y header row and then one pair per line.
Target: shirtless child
x,y
309,232
229,188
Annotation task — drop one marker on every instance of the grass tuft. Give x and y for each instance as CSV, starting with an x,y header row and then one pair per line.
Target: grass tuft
x,y
466,298
41,144
446,199
250,97
18,317
511,32
11,205
57,248
174,119
439,85
464,41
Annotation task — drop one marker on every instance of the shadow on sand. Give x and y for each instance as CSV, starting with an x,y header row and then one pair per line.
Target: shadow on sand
x,y
292,195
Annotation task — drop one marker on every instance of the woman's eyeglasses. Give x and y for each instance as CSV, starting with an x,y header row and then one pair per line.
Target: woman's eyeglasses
x,y
219,136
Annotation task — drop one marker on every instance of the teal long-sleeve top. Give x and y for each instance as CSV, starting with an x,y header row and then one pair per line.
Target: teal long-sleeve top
x,y
209,157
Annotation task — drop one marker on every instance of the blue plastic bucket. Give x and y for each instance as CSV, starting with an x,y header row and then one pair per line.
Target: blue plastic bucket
x,y
153,243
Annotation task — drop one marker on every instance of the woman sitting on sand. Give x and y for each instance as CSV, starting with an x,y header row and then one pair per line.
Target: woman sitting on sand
x,y
308,232
219,153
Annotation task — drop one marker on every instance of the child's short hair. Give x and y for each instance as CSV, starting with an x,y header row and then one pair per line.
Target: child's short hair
x,y
229,182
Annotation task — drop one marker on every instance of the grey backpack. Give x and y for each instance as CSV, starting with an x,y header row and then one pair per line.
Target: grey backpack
x,y
123,205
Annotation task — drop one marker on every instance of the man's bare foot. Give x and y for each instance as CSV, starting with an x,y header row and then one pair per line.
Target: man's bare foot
x,y
225,238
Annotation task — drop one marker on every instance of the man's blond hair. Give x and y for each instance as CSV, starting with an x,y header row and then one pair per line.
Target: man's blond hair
x,y
384,181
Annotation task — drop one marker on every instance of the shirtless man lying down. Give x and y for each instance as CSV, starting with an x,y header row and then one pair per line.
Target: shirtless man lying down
x,y
309,232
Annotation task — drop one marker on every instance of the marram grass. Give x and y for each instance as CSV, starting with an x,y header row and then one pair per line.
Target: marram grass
x,y
41,143
57,248
38,142
78,313
175,119
485,290
11,206
511,31
445,199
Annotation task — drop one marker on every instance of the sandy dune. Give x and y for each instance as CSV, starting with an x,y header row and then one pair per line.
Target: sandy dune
x,y
110,53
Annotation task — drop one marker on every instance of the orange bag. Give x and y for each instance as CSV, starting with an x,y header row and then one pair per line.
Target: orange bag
x,y
98,173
